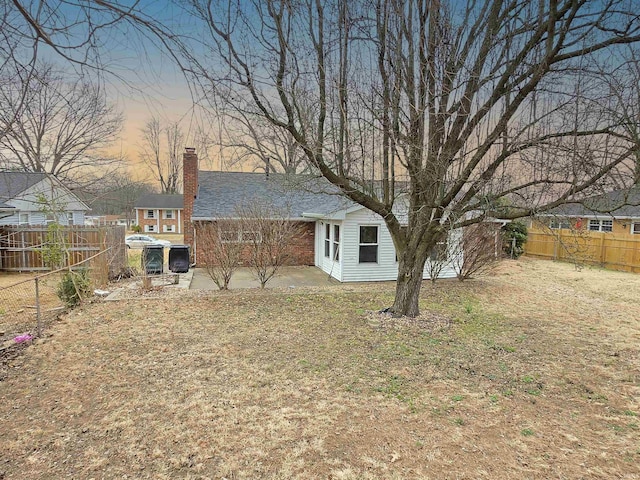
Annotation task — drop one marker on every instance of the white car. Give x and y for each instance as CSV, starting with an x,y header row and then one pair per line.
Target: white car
x,y
139,241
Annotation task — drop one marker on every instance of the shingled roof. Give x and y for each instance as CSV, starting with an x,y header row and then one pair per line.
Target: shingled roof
x,y
162,201
620,204
13,184
219,193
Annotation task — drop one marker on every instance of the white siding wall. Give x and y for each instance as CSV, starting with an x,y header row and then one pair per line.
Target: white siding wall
x,y
386,268
28,202
352,271
39,218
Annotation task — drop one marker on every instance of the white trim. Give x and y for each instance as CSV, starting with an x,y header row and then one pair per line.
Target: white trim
x,y
240,234
600,224
633,224
377,243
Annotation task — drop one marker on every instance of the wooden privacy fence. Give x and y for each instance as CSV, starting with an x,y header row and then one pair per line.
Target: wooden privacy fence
x,y
21,247
615,252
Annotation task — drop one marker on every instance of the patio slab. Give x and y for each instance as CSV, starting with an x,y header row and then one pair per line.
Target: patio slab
x,y
287,277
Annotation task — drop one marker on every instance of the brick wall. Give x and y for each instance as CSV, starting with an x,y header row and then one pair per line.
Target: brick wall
x,y
301,250
190,186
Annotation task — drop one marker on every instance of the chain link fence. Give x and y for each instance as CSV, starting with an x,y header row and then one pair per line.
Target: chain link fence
x,y
29,305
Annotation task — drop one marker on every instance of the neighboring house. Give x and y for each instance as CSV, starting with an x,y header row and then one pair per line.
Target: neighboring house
x,y
37,199
116,221
615,212
159,213
344,239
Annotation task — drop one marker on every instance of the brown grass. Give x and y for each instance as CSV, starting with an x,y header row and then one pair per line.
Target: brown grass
x,y
532,373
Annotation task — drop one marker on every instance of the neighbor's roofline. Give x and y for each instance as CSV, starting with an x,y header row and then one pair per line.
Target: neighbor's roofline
x,y
213,219
601,216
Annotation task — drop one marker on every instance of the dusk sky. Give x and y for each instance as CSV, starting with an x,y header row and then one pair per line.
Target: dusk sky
x,y
141,80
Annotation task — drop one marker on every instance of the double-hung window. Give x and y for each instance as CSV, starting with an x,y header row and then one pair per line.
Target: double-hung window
x,y
635,228
336,242
557,224
601,225
368,247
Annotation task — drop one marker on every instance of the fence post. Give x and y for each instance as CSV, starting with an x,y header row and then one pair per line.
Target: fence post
x,y
38,307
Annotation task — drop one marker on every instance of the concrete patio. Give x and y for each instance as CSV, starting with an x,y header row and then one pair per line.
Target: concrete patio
x,y
287,277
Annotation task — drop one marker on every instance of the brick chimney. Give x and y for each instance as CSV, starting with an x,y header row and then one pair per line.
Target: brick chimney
x,y
190,186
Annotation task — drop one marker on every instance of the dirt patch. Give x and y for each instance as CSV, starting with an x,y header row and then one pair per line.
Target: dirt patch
x,y
531,373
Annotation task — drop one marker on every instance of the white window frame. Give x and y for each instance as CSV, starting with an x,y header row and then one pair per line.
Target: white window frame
x,y
559,224
635,228
335,228
150,229
168,215
596,225
149,214
376,244
27,214
169,228
70,218
238,236
327,240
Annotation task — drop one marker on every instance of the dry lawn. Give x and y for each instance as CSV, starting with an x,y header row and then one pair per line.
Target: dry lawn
x,y
532,373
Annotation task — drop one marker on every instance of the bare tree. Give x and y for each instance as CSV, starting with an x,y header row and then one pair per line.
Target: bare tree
x,y
252,141
221,250
115,195
162,152
57,126
438,259
448,106
268,233
479,251
452,106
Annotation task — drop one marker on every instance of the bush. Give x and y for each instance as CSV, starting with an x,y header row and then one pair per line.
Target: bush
x,y
73,287
515,236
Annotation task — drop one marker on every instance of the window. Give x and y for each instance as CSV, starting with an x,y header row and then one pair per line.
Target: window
x,y
368,252
559,224
149,214
601,225
327,240
336,242
23,218
439,252
635,228
69,218
168,228
149,228
250,237
238,236
168,214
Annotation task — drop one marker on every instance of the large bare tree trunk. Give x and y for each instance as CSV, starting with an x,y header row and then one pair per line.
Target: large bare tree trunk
x,y
468,109
408,287
411,262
